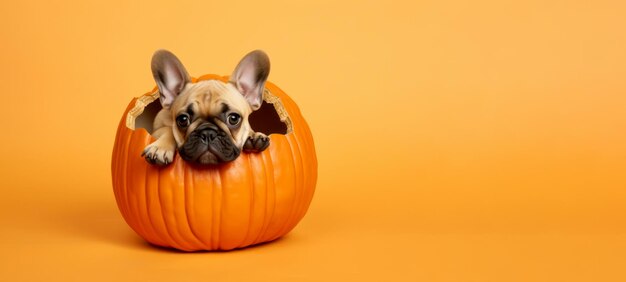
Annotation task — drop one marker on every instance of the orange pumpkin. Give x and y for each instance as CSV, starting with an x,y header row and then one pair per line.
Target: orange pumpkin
x,y
257,198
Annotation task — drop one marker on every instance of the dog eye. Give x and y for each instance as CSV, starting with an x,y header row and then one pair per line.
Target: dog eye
x,y
182,120
234,119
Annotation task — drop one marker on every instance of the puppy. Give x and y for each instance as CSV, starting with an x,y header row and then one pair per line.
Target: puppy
x,y
207,121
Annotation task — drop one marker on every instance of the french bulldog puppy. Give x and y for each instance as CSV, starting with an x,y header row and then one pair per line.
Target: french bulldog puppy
x,y
207,121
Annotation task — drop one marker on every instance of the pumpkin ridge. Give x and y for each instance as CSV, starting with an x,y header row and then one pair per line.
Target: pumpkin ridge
x,y
118,172
304,140
115,166
159,208
202,214
188,200
219,210
157,236
262,218
270,191
173,241
282,176
143,203
313,165
285,223
180,223
143,195
252,188
133,197
124,184
293,217
211,220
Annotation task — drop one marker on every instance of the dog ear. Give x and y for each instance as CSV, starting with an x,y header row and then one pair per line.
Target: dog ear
x,y
250,76
170,76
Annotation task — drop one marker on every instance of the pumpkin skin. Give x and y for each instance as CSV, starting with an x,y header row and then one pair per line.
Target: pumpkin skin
x,y
256,198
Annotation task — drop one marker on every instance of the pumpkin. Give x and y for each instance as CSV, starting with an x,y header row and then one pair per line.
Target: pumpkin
x,y
256,198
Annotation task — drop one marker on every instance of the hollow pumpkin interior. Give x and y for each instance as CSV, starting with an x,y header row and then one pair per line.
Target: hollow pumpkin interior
x,y
271,118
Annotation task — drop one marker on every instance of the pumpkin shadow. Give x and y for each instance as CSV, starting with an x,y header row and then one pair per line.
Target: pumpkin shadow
x,y
256,247
97,221
101,222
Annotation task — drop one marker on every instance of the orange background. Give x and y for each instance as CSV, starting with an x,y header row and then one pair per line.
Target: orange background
x,y
457,140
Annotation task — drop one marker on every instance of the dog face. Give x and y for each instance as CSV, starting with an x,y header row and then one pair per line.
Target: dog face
x,y
209,119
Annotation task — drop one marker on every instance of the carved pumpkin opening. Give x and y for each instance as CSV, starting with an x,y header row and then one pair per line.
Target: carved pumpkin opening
x,y
271,118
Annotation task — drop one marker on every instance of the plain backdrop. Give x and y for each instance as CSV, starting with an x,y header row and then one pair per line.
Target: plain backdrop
x,y
457,140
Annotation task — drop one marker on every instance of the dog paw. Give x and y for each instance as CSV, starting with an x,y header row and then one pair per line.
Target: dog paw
x,y
256,143
158,155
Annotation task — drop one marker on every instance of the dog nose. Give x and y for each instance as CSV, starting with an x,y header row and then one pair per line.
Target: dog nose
x,y
207,135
